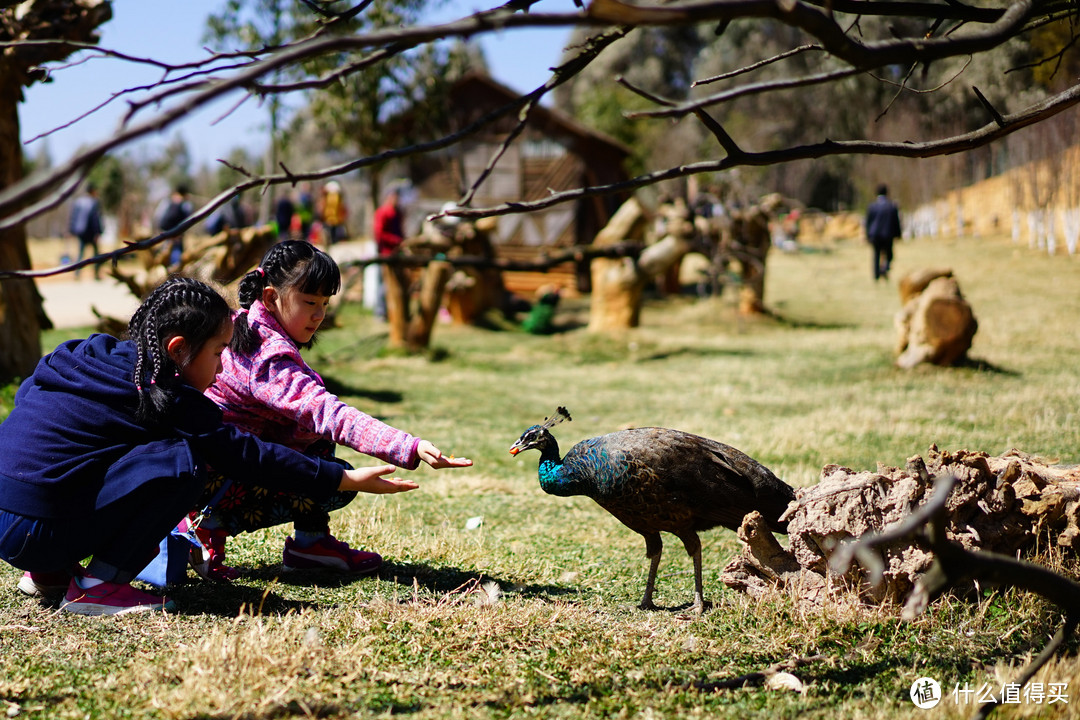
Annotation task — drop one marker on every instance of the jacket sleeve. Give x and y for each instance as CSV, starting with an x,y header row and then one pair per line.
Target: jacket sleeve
x,y
235,453
294,392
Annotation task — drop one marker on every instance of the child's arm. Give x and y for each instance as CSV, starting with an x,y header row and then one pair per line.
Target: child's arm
x,y
296,395
371,480
434,457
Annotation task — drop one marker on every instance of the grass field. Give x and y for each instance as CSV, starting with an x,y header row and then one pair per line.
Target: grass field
x,y
533,613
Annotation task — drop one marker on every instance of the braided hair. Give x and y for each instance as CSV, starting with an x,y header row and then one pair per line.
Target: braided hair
x,y
179,306
288,265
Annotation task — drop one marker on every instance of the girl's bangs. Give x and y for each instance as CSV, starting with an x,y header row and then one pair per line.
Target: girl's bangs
x,y
322,276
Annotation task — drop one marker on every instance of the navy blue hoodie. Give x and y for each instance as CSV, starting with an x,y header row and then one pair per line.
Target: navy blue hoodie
x,y
74,419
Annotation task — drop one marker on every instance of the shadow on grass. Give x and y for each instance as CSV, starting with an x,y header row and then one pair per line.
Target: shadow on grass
x,y
443,580
339,388
985,366
254,591
699,352
227,599
436,580
797,324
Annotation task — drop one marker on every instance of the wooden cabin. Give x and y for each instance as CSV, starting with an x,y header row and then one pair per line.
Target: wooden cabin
x,y
553,153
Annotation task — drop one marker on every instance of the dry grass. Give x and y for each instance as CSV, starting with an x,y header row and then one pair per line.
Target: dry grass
x,y
534,613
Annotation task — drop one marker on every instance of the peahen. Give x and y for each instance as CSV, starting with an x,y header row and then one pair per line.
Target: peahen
x,y
657,480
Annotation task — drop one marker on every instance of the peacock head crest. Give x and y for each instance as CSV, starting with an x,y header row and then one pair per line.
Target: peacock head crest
x,y
538,436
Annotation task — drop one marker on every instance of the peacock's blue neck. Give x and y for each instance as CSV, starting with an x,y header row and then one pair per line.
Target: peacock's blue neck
x,y
553,479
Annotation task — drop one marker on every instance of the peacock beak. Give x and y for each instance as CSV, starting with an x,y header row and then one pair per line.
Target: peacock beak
x,y
514,450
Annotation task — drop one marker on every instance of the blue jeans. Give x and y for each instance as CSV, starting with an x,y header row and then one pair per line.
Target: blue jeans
x,y
122,534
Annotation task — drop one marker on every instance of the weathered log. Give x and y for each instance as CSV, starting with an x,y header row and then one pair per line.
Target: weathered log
x,y
1009,504
628,223
936,326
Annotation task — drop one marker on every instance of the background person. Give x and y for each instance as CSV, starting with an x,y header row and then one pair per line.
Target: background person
x,y
882,228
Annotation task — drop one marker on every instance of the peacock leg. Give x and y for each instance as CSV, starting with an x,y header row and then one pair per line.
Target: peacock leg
x,y
699,595
654,547
692,543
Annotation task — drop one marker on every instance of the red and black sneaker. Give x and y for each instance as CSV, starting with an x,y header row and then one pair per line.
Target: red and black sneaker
x,y
329,552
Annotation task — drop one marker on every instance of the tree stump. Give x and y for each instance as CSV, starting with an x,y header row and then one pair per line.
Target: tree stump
x,y
936,325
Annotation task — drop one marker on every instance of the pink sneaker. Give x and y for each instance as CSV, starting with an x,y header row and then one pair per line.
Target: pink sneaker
x,y
209,563
110,598
47,585
329,552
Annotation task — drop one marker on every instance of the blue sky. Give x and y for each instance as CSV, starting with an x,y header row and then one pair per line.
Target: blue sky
x,y
172,31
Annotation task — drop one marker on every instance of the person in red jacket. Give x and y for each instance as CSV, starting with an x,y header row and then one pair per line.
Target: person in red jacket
x,y
389,232
389,221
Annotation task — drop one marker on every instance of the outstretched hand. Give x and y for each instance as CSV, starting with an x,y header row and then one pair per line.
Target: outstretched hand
x,y
434,457
371,480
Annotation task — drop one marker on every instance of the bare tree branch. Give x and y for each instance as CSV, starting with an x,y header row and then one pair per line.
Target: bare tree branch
x,y
186,87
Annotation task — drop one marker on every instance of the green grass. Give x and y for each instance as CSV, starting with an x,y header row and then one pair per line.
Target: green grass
x,y
562,637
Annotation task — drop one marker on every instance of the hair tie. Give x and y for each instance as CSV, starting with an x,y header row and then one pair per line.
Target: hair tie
x,y
262,273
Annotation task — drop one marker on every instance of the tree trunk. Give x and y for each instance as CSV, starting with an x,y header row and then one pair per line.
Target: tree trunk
x,y
22,316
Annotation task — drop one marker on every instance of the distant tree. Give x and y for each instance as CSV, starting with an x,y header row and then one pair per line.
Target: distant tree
x,y
109,176
173,163
27,24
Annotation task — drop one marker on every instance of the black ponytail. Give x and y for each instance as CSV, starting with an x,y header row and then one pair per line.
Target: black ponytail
x,y
288,265
179,306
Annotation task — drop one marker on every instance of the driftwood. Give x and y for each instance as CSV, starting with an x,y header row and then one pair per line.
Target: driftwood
x,y
1007,504
954,565
936,324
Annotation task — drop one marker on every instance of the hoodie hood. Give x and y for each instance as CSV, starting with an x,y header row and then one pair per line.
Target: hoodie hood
x,y
99,369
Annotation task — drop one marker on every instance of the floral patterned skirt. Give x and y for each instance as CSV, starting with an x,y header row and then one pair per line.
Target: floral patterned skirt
x,y
244,505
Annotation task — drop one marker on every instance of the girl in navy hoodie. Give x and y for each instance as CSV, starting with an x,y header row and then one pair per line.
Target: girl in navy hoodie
x,y
107,447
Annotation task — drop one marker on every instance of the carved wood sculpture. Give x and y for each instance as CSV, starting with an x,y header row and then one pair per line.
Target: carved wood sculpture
x,y
618,283
746,239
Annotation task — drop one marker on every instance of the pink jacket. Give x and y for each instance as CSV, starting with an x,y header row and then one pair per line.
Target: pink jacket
x,y
277,397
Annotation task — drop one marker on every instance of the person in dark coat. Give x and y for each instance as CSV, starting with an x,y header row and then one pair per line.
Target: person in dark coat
x,y
882,228
85,224
107,449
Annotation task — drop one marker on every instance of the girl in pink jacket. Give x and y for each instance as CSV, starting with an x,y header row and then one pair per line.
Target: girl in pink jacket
x,y
265,388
